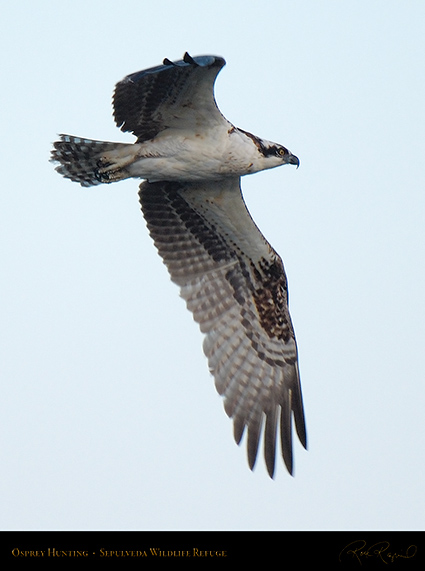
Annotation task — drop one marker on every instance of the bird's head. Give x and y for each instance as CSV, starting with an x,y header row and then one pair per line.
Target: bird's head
x,y
268,154
276,154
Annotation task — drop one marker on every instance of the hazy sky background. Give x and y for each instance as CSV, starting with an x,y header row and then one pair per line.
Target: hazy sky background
x,y
109,418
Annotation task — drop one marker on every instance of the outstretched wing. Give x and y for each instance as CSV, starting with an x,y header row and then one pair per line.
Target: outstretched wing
x,y
235,285
173,95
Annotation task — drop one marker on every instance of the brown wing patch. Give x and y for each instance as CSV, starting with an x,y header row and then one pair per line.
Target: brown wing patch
x,y
271,300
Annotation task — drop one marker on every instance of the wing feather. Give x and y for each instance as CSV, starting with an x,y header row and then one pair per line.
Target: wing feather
x,y
234,284
177,95
270,439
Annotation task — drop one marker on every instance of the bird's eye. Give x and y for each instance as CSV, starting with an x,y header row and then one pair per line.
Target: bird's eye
x,y
282,152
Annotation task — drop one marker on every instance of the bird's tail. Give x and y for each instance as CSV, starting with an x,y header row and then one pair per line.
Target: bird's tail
x,y
91,162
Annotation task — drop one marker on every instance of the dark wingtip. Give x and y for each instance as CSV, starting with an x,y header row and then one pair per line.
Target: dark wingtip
x,y
270,471
189,59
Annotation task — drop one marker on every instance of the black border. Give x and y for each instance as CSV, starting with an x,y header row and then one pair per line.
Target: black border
x,y
282,550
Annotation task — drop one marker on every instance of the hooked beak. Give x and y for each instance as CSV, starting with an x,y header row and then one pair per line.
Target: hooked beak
x,y
293,160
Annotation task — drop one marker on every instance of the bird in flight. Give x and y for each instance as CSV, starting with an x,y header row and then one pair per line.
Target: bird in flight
x,y
192,159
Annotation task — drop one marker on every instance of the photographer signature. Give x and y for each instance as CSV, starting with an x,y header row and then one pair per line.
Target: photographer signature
x,y
359,550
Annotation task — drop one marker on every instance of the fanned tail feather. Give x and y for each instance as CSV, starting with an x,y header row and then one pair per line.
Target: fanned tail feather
x,y
87,161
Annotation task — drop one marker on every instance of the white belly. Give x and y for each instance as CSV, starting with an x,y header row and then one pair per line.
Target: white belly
x,y
174,156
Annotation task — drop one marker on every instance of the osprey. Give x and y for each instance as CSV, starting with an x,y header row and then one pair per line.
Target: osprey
x,y
231,278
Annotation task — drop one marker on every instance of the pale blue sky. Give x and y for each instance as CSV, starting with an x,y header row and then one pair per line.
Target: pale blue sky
x,y
109,418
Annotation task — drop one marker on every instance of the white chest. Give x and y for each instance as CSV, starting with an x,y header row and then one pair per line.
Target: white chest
x,y
176,155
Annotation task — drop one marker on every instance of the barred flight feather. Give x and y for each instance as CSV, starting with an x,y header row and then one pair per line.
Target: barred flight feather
x,y
240,303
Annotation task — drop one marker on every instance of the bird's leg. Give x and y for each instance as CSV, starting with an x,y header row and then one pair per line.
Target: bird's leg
x,y
112,165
